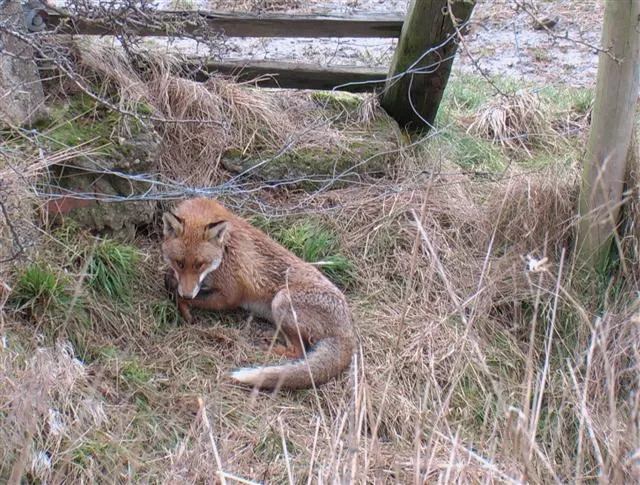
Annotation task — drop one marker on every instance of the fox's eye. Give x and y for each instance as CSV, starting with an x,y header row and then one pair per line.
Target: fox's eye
x,y
180,264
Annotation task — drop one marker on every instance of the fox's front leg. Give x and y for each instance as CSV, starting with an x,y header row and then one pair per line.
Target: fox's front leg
x,y
184,309
171,285
212,299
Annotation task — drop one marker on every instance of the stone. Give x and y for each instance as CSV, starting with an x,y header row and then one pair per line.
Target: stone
x,y
21,94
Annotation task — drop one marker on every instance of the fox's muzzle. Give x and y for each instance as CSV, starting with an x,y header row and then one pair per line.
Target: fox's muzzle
x,y
187,287
188,294
194,281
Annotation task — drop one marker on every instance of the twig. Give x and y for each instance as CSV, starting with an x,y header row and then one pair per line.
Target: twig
x,y
524,7
14,236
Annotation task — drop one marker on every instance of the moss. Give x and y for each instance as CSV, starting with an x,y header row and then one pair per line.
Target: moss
x,y
337,100
314,165
77,121
81,120
366,149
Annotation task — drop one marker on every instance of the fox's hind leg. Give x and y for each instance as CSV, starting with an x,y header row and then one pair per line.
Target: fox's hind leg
x,y
291,318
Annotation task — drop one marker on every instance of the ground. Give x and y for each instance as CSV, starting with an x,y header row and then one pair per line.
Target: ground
x,y
484,354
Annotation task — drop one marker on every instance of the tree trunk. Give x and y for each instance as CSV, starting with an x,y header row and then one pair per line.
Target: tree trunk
x,y
412,98
612,122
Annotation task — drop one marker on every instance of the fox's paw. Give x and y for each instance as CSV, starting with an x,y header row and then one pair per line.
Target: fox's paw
x,y
269,343
185,311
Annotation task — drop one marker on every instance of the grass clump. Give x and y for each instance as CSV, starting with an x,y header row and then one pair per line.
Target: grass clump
x,y
514,122
111,269
313,243
165,314
40,286
134,374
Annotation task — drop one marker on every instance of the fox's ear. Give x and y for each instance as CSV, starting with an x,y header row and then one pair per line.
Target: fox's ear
x,y
173,225
216,231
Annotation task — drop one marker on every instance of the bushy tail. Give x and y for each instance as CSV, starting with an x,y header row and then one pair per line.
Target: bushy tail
x,y
323,362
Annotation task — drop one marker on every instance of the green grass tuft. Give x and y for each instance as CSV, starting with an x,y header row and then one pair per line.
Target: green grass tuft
x,y
470,152
308,241
112,269
135,375
165,314
314,243
39,285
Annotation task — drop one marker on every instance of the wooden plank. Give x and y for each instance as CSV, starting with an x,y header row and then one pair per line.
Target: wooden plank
x,y
412,97
292,75
276,74
235,24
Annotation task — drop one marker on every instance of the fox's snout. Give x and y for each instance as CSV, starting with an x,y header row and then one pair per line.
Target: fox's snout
x,y
187,288
188,294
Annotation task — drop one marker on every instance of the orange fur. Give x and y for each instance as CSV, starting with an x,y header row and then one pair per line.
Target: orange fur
x,y
220,262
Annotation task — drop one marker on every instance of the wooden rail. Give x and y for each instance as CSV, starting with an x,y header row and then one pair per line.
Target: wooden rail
x,y
235,25
295,75
275,74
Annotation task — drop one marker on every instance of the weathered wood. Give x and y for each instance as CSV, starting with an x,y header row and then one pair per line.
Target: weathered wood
x,y
612,122
236,25
294,75
422,61
281,74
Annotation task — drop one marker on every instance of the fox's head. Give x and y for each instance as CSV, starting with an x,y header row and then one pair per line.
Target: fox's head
x,y
192,250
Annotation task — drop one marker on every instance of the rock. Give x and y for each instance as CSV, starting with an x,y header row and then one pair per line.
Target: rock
x,y
369,152
20,87
93,184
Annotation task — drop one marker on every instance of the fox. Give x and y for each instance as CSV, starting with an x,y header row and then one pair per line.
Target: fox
x,y
219,261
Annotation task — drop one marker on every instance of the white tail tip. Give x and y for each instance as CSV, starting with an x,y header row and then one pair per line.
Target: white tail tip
x,y
247,375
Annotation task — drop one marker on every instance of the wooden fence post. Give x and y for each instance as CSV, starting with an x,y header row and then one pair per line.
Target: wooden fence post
x,y
413,98
612,125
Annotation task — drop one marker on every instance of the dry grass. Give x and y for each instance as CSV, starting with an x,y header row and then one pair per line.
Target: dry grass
x,y
445,387
515,121
202,124
483,357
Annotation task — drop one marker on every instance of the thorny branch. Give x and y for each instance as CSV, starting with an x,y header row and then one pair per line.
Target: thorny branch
x,y
116,14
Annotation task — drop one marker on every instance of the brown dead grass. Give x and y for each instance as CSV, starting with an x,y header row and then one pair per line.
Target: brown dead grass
x,y
479,360
438,391
516,121
202,122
